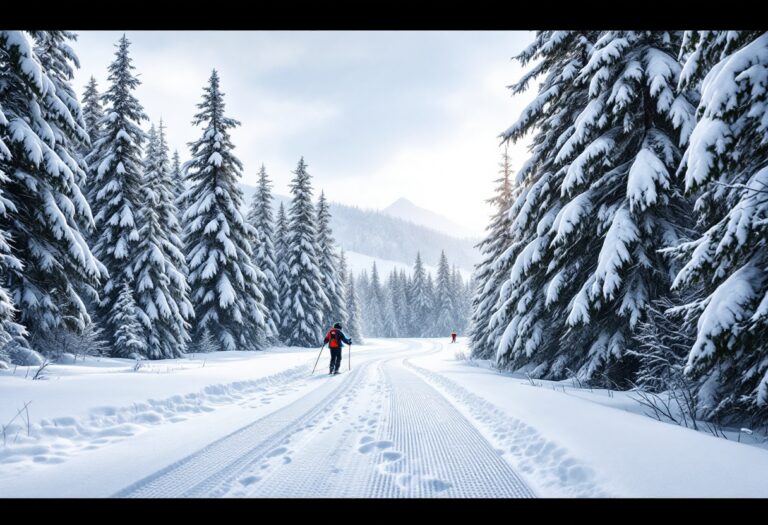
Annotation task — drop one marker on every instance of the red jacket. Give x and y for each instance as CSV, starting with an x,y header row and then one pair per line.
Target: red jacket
x,y
340,337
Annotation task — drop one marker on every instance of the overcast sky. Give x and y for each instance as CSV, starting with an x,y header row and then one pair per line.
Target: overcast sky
x,y
377,115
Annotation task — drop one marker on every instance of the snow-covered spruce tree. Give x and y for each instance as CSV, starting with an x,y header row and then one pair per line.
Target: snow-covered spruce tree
x,y
301,313
205,344
402,306
489,274
391,321
726,166
128,336
421,303
15,51
161,292
169,211
59,61
93,113
352,326
600,201
375,305
9,330
460,301
343,279
282,270
260,218
115,181
50,269
520,325
334,310
177,183
222,278
363,287
430,315
469,290
444,296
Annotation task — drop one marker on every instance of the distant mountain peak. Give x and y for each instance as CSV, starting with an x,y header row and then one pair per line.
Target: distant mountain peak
x,y
401,201
391,238
407,210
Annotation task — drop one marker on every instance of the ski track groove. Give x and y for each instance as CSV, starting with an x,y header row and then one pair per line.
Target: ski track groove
x,y
331,469
434,450
200,473
552,465
404,440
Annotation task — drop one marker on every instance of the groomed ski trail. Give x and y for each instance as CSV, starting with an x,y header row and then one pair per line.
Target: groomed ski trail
x,y
379,431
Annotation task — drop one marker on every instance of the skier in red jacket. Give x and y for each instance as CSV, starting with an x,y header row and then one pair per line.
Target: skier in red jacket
x,y
336,339
453,336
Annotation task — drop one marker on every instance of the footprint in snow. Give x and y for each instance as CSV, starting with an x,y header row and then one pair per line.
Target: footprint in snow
x,y
276,452
370,447
391,456
250,480
437,485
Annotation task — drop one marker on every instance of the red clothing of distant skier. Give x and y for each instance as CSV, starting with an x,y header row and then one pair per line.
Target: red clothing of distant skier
x,y
453,337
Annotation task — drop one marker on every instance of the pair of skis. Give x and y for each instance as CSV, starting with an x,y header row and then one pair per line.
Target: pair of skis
x,y
349,358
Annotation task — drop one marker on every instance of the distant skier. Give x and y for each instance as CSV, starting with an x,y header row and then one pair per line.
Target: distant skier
x,y
453,336
336,339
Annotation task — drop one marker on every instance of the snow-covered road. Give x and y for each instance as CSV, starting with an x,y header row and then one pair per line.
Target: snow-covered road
x,y
377,431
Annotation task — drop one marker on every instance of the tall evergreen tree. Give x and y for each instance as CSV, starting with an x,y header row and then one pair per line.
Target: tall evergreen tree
x,y
362,287
301,313
389,292
403,305
93,114
343,280
334,310
162,304
60,61
353,323
128,338
421,302
492,270
375,311
177,183
282,268
444,298
430,315
609,124
459,300
222,277
726,165
47,266
520,312
260,217
15,52
116,179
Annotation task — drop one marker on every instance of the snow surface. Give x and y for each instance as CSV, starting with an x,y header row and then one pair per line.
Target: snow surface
x,y
411,419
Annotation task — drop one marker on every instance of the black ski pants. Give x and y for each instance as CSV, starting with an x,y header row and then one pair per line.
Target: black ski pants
x,y
335,359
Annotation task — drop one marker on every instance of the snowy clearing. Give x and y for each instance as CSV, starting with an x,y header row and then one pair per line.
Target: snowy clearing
x,y
409,420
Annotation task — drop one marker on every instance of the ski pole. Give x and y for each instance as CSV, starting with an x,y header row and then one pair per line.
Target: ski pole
x,y
318,358
349,354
